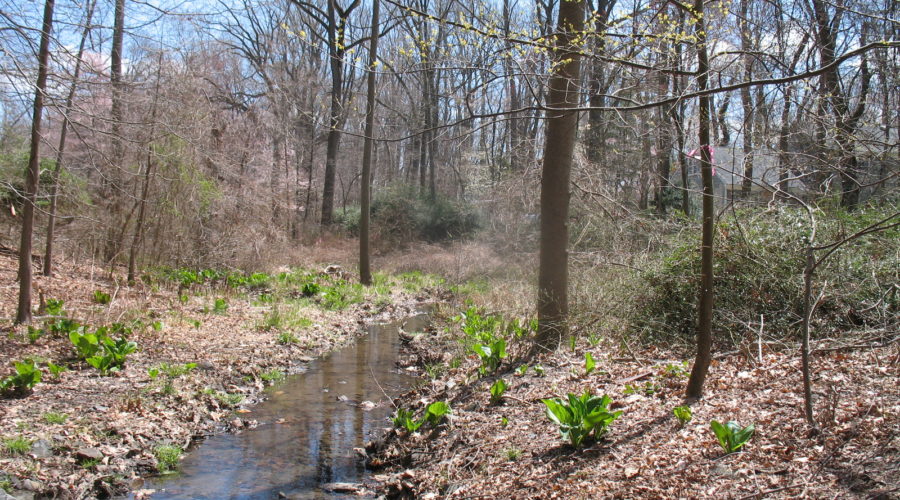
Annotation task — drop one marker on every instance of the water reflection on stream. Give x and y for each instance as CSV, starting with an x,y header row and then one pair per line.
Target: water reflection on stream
x,y
306,434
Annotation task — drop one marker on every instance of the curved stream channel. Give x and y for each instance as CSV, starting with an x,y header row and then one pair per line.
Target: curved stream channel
x,y
307,428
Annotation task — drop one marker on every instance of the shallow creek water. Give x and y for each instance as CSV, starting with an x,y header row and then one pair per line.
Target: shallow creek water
x,y
307,430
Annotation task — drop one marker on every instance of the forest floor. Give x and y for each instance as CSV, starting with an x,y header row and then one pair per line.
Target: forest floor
x,y
510,448
84,435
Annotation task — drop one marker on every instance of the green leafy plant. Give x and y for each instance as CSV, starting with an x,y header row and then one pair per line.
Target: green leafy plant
x,y
521,370
497,390
157,325
26,377
539,370
86,344
271,376
101,297
310,289
18,445
220,306
229,399
285,338
581,416
53,307
55,418
683,414
403,419
112,359
732,437
675,370
167,457
56,370
491,355
64,326
34,334
436,412
589,364
513,454
153,373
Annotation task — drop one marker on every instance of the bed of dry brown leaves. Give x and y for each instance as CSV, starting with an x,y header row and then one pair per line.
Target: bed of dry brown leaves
x,y
512,450
113,424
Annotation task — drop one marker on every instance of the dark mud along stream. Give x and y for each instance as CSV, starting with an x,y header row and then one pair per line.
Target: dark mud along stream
x,y
308,428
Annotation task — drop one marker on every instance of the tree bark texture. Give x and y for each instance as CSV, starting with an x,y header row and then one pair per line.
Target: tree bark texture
x,y
559,147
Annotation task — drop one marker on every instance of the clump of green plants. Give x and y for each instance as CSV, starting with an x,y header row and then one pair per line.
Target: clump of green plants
x,y
405,419
34,334
491,355
580,417
731,436
171,370
167,457
341,296
230,399
101,297
271,376
521,370
101,351
513,454
286,338
434,414
27,375
16,445
220,306
498,389
53,307
683,414
55,418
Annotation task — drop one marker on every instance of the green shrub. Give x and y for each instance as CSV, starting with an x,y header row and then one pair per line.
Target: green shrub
x,y
400,213
55,418
759,260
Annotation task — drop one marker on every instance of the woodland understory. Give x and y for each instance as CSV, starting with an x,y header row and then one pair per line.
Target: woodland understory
x,y
659,239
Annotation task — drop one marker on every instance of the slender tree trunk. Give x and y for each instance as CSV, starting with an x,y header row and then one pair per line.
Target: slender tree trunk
x,y
705,311
148,172
113,243
552,300
23,313
61,148
746,102
365,185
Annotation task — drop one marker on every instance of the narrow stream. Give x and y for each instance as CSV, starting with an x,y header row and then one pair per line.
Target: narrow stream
x,y
307,429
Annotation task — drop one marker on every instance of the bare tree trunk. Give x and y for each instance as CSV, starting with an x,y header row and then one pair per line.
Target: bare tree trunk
x,y
61,148
705,311
23,313
552,299
365,185
148,172
113,244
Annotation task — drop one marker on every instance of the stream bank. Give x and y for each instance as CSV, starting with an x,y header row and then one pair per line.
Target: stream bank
x,y
196,373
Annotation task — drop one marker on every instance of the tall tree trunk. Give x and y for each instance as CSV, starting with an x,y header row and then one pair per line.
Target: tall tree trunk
x,y
61,148
365,185
552,299
336,51
23,313
746,102
705,311
113,243
148,173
